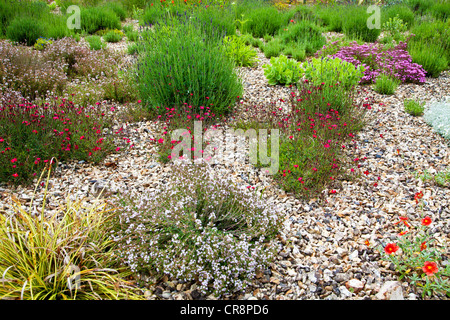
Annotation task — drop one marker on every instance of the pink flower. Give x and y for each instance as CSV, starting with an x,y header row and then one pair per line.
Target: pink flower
x,y
117,149
161,140
15,175
13,160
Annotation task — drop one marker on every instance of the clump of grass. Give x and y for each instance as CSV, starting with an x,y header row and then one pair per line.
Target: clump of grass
x,y
413,107
67,255
113,36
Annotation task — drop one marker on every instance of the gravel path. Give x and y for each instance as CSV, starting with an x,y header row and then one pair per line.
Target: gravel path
x,y
322,250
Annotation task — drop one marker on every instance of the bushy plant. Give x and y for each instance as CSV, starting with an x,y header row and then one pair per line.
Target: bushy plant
x,y
440,10
32,134
295,52
186,67
355,25
332,70
25,30
385,84
282,70
66,255
304,34
430,55
98,18
331,17
95,42
437,115
272,48
379,60
313,133
113,36
436,33
413,107
401,12
239,52
208,230
117,8
266,20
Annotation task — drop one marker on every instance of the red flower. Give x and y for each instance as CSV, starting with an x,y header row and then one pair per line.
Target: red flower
x,y
430,268
417,196
423,246
391,248
426,221
403,233
15,175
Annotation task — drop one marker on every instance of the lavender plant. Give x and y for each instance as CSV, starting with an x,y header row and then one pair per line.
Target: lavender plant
x,y
199,226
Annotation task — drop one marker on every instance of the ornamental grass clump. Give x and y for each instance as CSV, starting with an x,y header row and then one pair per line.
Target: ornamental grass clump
x,y
200,226
64,255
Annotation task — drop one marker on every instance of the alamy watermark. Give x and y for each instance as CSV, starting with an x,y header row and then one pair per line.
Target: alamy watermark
x,y
218,145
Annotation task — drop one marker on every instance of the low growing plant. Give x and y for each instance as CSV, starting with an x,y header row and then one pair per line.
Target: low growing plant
x,y
282,70
208,230
413,107
385,84
416,256
239,52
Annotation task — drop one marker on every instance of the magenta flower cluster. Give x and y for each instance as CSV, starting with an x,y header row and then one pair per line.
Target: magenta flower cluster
x,y
376,59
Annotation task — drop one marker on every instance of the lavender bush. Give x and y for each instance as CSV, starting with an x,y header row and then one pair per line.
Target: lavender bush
x,y
200,226
376,59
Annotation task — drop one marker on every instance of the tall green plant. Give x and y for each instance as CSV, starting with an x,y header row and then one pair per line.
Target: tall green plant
x,y
180,63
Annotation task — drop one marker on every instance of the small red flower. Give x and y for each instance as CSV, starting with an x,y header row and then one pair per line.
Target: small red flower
x,y
403,233
430,268
426,221
418,196
423,246
15,175
391,248
367,243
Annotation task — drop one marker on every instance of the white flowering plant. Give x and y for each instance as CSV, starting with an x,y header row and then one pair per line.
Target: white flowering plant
x,y
199,227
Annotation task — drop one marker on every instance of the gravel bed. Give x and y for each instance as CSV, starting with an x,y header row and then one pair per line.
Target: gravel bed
x,y
322,251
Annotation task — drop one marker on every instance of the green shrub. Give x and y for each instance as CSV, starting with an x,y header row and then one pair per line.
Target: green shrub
x,y
95,42
113,36
304,34
272,48
240,53
118,9
440,10
220,236
331,17
25,30
420,6
430,55
384,84
282,70
98,18
402,12
186,67
413,107
355,25
295,52
330,71
266,20
436,32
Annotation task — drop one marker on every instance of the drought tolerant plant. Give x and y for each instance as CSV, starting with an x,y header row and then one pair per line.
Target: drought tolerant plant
x,y
273,48
282,70
354,25
430,55
98,18
25,30
208,230
379,60
32,134
41,43
385,84
113,36
184,65
413,107
67,255
332,70
313,133
265,20
239,52
416,256
95,42
401,12
437,115
394,29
